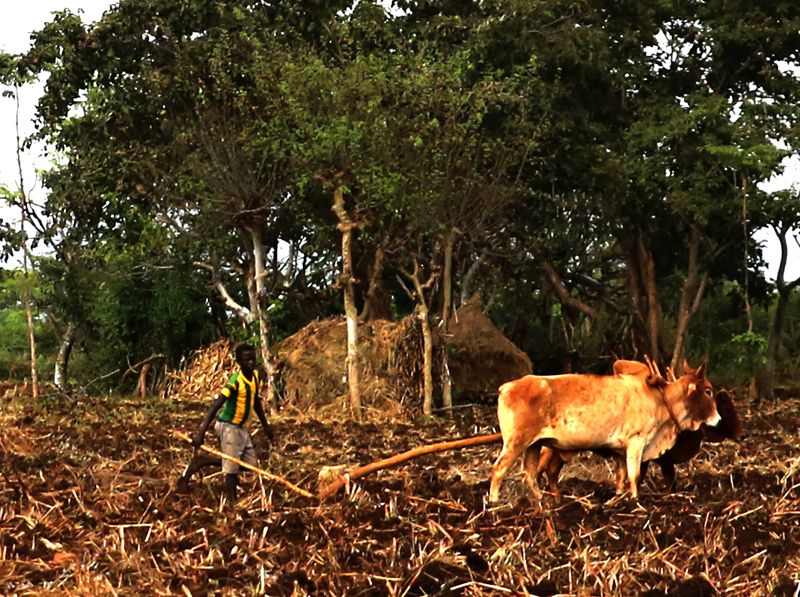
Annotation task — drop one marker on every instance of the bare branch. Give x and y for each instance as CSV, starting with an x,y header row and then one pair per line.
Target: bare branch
x,y
563,293
242,312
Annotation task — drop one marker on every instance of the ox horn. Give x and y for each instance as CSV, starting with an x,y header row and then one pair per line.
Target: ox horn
x,y
655,378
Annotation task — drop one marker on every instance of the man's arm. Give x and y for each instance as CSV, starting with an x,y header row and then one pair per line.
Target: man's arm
x,y
259,408
197,441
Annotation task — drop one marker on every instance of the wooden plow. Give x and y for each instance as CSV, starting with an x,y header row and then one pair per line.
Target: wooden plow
x,y
342,479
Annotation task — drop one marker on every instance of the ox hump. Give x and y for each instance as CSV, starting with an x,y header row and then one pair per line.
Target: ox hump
x,y
528,386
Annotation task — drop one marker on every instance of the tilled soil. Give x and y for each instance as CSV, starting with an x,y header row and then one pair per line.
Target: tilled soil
x,y
88,506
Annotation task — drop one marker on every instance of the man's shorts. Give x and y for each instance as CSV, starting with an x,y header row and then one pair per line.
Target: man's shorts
x,y
235,441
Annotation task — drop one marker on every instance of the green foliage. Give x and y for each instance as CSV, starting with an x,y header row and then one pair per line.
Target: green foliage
x,y
14,344
531,133
749,351
136,314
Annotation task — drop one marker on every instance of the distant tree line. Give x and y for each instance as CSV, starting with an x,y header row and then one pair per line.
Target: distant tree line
x,y
593,170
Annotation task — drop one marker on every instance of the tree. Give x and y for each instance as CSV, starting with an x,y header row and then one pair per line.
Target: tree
x,y
783,211
344,148
194,123
21,201
460,131
560,158
704,117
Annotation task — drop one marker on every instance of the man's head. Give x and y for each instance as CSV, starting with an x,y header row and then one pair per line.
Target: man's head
x,y
246,358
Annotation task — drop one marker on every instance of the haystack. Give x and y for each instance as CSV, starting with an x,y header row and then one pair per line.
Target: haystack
x,y
312,378
202,375
481,358
312,372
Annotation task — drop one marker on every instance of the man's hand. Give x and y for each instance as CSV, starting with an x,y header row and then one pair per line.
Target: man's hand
x,y
269,433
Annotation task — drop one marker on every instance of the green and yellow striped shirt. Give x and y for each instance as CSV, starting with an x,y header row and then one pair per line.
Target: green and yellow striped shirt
x,y
241,394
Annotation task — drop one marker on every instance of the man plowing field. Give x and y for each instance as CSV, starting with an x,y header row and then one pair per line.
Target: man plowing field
x,y
237,399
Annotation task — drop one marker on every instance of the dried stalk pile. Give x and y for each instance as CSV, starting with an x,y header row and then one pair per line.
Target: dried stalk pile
x,y
311,369
202,374
311,373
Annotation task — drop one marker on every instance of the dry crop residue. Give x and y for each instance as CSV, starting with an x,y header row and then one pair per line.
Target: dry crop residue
x,y
87,506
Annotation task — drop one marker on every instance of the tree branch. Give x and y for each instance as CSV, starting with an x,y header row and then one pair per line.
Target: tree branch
x,y
242,312
563,294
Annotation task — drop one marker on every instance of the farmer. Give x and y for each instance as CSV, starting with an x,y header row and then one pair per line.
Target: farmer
x,y
239,398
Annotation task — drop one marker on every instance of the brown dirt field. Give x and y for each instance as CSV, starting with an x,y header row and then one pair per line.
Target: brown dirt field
x,y
87,507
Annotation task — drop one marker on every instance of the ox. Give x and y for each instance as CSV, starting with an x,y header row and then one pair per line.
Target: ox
x,y
687,444
635,414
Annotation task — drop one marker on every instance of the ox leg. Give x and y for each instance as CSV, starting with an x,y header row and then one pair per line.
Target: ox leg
x,y
634,461
553,463
532,462
620,475
546,456
668,470
511,451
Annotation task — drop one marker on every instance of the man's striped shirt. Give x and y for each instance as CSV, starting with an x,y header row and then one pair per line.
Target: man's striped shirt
x,y
241,394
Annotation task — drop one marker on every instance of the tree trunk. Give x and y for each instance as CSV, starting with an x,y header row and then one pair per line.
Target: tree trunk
x,y
447,291
376,302
141,385
638,329
469,276
259,261
61,369
564,295
646,335
766,377
245,314
252,291
427,359
351,314
427,338
654,314
26,297
691,297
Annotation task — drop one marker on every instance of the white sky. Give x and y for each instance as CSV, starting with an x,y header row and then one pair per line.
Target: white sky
x,y
15,29
789,179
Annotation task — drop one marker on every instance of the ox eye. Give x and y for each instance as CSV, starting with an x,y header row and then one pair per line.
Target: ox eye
x,y
708,393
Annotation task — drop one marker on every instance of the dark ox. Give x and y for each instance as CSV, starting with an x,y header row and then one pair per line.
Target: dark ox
x,y
631,414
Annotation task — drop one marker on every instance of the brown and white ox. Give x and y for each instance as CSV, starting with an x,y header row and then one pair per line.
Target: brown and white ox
x,y
686,447
630,414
